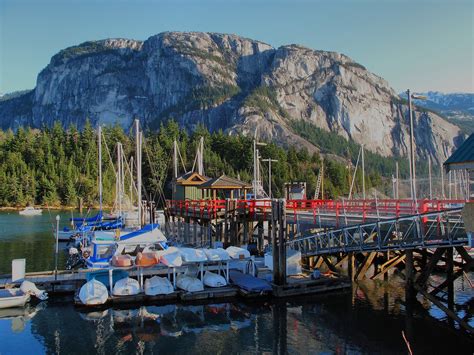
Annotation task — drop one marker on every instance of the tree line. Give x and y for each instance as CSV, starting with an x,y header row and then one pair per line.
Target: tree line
x,y
55,166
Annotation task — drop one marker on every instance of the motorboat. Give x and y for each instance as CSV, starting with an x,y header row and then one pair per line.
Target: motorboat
x,y
105,245
18,297
31,211
13,297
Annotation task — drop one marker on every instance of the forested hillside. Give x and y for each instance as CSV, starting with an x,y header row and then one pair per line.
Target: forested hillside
x,y
54,166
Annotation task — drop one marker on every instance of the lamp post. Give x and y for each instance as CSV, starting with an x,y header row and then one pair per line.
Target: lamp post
x,y
412,145
57,249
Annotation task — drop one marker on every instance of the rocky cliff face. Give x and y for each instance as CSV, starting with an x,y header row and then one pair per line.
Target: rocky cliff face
x,y
226,82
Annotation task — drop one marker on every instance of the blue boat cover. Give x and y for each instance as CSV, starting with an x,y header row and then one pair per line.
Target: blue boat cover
x,y
248,282
95,218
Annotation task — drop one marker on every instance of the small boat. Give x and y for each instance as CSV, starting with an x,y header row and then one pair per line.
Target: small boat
x,y
13,297
17,297
31,211
191,255
218,254
211,279
171,257
126,287
189,283
158,286
93,292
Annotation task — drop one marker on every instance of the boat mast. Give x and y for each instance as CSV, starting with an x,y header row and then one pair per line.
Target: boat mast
x,y
119,177
139,169
99,143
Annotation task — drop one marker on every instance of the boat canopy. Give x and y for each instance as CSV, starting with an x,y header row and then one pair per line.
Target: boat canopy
x,y
95,218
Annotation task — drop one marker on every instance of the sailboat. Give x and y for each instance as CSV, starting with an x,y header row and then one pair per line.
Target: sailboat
x,y
104,244
84,226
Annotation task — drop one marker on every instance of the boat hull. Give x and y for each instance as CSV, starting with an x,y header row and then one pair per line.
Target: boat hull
x,y
13,298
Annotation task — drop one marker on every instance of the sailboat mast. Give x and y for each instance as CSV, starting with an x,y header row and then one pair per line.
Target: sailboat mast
x,y
138,149
99,143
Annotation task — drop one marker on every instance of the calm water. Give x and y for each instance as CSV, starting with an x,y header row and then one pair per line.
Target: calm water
x,y
31,237
370,319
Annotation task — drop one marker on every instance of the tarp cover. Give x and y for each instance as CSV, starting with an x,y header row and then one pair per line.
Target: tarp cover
x,y
236,252
191,255
248,282
188,283
218,254
212,279
158,286
93,292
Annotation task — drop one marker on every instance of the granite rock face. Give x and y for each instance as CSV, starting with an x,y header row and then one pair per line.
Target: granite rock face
x,y
225,82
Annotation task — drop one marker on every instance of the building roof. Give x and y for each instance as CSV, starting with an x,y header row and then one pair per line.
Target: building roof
x,y
224,182
463,157
191,179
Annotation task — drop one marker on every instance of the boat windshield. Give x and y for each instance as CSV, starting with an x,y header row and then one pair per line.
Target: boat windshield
x,y
105,251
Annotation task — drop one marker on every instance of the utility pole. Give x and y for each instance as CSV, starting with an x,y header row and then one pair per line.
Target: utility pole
x,y
412,151
256,169
269,161
99,143
138,148
412,145
397,177
363,172
429,176
442,181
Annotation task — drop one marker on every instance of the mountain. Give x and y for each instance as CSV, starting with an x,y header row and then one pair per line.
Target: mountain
x,y
226,82
457,108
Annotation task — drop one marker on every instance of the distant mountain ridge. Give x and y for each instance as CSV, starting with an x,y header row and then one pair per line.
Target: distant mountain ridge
x,y
458,108
226,82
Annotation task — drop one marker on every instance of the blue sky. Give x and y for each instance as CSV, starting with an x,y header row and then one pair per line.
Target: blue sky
x,y
417,44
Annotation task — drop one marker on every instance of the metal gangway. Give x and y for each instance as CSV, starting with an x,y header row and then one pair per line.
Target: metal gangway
x,y
423,230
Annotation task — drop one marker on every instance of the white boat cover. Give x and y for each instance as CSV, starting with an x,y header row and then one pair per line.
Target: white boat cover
x,y
126,287
93,292
218,254
189,284
212,279
191,255
170,257
236,252
30,288
158,286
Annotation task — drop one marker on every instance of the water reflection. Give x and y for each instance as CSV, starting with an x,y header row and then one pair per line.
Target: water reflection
x,y
19,317
358,322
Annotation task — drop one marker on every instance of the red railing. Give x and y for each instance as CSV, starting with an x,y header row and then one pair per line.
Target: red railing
x,y
340,208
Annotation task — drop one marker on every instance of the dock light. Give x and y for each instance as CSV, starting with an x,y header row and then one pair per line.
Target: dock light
x,y
57,248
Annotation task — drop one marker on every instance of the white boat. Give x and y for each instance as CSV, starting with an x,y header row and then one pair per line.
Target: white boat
x,y
31,211
93,292
189,283
171,257
158,286
217,254
13,297
238,253
126,287
191,255
17,297
212,279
